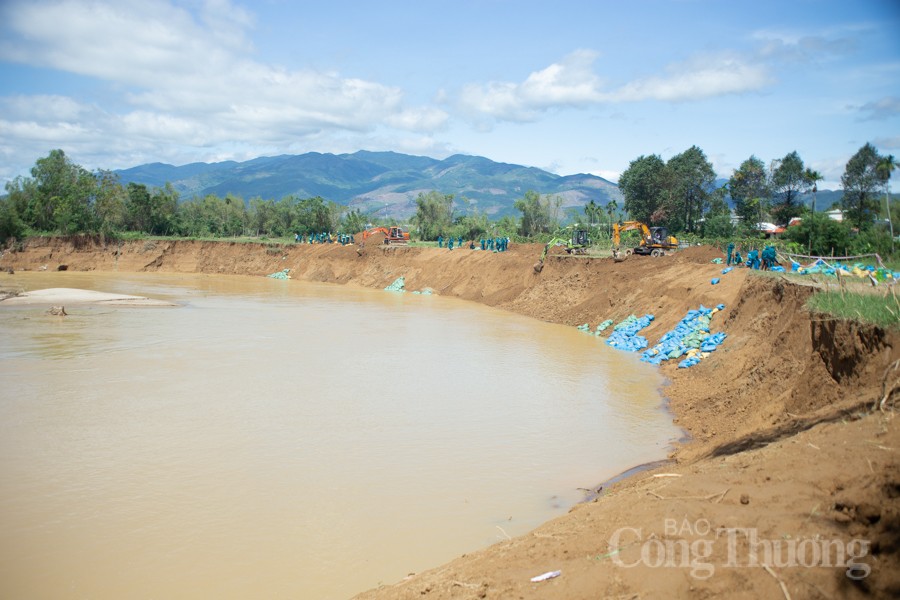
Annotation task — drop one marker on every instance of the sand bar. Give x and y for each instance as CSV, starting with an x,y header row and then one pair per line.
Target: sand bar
x,y
69,296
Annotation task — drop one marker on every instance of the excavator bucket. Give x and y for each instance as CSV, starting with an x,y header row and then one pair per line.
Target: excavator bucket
x,y
539,266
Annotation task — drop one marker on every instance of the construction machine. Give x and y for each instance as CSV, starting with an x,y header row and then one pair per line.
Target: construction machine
x,y
654,240
577,244
393,236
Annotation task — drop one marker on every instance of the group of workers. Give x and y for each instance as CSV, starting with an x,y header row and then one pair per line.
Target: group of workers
x,y
324,238
497,244
755,259
458,241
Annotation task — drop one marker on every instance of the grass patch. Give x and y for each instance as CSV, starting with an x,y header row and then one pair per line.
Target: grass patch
x,y
882,309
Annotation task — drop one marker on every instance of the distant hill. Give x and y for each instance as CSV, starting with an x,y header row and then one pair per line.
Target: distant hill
x,y
385,184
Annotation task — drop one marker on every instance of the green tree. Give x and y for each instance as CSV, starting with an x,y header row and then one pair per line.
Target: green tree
x,y
592,212
820,235
59,195
11,225
138,207
261,216
539,214
506,226
860,181
692,179
354,221
813,178
789,182
164,205
472,226
642,187
434,214
749,187
884,170
20,192
109,202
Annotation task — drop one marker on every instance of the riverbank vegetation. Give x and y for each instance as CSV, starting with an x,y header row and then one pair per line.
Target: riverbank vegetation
x,y
61,197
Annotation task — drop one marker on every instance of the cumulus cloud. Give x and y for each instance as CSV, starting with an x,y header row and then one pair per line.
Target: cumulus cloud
x,y
702,77
419,119
572,82
181,75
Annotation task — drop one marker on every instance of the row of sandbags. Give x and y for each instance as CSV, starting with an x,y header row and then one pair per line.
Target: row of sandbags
x,y
690,338
399,285
281,274
625,335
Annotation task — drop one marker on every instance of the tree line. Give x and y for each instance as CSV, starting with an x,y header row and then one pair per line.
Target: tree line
x,y
63,197
681,194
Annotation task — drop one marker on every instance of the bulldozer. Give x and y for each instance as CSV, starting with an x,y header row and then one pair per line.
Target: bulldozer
x,y
655,241
393,236
577,244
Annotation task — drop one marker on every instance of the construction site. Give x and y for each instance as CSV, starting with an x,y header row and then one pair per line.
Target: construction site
x,y
786,482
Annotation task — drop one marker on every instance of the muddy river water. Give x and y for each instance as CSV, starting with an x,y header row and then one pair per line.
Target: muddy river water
x,y
281,439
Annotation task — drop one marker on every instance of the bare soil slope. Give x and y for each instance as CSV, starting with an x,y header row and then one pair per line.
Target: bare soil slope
x,y
783,439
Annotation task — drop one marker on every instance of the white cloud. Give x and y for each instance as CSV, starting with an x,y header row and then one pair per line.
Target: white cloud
x,y
570,82
45,107
419,119
573,83
702,77
181,80
608,175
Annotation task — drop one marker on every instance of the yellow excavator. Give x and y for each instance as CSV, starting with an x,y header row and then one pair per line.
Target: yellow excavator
x,y
577,244
654,240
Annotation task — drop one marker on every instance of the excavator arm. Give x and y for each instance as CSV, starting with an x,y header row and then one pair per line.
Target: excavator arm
x,y
539,265
629,226
369,232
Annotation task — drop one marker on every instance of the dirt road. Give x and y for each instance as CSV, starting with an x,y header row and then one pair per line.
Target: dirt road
x,y
787,486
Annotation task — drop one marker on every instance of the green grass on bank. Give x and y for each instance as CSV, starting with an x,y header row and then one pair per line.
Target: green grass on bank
x,y
879,308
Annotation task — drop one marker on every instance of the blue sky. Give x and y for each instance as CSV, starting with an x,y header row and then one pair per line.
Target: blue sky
x,y
566,86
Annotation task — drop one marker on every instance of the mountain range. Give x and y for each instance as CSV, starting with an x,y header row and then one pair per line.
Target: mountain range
x,y
382,184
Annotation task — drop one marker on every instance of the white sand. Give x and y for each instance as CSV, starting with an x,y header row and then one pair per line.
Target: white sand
x,y
67,296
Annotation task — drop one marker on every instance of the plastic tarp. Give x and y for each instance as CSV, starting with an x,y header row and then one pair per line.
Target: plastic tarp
x,y
281,274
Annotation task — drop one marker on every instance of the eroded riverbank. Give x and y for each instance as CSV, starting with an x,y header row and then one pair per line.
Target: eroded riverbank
x,y
781,375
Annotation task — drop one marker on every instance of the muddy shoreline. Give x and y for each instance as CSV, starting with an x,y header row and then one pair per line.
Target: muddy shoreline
x,y
782,438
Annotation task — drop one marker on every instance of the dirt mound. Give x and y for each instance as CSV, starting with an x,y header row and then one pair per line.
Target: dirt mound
x,y
699,254
375,239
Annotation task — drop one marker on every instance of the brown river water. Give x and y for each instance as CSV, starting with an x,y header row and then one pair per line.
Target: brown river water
x,y
283,439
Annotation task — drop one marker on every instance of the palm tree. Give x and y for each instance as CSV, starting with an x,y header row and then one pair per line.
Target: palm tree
x,y
611,207
813,178
883,170
590,209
